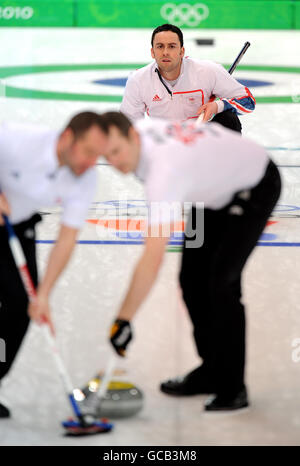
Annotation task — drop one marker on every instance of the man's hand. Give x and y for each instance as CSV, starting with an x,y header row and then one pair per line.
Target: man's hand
x,y
39,311
210,109
4,208
120,335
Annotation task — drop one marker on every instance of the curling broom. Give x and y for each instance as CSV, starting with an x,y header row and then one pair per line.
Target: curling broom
x,y
85,424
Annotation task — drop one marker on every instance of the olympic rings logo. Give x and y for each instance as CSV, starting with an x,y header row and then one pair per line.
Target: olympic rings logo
x,y
184,13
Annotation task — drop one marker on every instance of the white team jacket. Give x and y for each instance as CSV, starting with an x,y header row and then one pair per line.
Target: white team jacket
x,y
197,82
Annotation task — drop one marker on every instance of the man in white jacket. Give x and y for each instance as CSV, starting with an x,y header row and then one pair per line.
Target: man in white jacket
x,y
180,88
181,163
40,167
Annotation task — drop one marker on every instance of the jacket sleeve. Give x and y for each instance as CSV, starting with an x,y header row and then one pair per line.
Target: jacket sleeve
x,y
132,104
233,95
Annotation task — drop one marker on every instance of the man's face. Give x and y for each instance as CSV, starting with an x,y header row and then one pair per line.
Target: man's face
x,y
167,51
122,152
82,152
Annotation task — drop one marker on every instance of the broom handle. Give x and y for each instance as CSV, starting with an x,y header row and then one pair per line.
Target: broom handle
x,y
106,378
21,263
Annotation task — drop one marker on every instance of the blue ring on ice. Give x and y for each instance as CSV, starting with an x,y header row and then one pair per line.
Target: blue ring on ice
x,y
121,82
267,237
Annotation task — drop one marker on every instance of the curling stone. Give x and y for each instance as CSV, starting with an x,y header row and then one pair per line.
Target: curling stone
x,y
122,399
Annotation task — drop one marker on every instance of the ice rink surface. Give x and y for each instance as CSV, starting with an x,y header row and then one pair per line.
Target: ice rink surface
x,y
87,296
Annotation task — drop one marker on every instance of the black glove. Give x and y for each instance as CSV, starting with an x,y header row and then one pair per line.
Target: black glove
x,y
120,335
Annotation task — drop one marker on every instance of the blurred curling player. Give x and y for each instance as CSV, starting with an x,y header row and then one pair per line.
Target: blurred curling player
x,y
40,167
181,163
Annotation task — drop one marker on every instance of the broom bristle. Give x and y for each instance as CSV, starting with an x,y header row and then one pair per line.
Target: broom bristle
x,y
75,429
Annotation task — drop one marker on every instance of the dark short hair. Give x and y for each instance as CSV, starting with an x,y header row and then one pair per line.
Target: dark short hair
x,y
83,121
168,27
117,119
